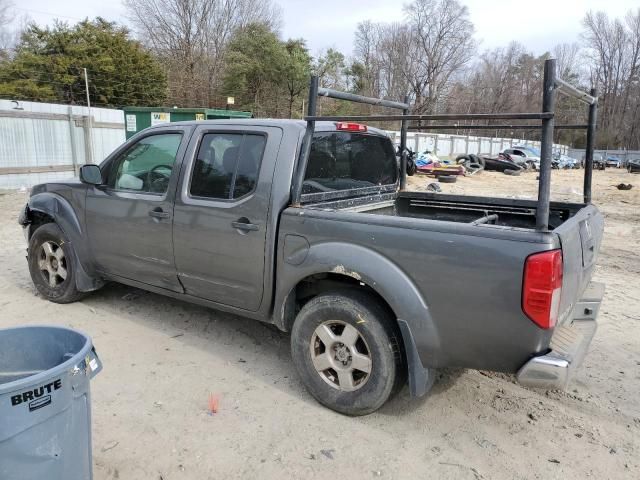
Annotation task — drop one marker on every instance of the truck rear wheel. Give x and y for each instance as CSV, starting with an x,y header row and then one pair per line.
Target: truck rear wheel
x,y
51,265
347,352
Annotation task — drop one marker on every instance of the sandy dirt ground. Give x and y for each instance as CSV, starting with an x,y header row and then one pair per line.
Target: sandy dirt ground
x,y
162,358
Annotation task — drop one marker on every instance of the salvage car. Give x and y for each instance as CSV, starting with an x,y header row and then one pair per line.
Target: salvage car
x,y
304,225
565,161
613,162
633,165
501,163
528,156
599,162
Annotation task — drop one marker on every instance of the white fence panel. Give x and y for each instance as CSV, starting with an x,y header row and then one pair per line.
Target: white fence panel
x,y
449,146
42,142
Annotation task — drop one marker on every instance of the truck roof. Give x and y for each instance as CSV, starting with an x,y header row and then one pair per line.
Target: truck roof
x,y
271,122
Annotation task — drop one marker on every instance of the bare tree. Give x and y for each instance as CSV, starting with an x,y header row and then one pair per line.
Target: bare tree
x,y
5,35
632,92
395,54
190,36
613,46
441,44
5,13
567,56
420,56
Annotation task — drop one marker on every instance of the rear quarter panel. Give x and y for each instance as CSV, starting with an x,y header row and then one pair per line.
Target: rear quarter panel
x,y
469,279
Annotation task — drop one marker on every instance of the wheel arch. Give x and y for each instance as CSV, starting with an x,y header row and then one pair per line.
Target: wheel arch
x,y
58,210
48,207
353,266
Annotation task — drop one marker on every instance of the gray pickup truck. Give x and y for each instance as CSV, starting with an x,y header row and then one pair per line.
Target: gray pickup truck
x,y
378,286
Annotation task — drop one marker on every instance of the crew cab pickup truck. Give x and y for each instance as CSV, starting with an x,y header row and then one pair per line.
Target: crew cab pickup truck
x,y
378,286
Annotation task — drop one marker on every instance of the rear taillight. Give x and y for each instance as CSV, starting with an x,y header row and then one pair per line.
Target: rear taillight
x,y
351,127
542,287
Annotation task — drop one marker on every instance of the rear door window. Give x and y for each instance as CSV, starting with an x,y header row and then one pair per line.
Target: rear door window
x,y
346,161
227,165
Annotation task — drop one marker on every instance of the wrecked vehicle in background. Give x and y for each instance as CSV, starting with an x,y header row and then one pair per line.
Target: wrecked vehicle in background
x,y
565,162
526,157
613,162
633,165
501,162
599,162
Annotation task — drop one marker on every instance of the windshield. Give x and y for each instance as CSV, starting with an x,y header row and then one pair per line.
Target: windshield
x,y
347,161
532,152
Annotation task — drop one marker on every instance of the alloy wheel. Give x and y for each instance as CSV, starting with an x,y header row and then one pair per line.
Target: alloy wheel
x,y
340,355
52,264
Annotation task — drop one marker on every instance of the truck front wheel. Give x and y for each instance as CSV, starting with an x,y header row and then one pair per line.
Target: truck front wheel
x,y
347,351
51,265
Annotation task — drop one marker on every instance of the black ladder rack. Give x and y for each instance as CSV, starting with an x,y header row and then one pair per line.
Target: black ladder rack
x,y
551,85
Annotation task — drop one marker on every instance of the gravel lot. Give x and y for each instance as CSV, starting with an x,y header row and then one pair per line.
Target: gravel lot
x,y
163,358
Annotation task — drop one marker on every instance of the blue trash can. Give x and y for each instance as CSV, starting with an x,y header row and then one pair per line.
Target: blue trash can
x,y
45,407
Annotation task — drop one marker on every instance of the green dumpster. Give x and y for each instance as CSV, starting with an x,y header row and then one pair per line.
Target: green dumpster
x,y
139,118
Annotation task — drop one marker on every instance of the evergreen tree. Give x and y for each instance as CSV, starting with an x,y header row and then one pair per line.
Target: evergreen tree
x,y
48,65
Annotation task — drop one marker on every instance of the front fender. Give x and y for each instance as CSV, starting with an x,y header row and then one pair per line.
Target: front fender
x,y
60,210
418,330
65,216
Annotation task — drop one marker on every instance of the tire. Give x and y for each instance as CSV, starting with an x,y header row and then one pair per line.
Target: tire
x,y
481,161
411,167
51,265
460,159
513,173
447,179
377,339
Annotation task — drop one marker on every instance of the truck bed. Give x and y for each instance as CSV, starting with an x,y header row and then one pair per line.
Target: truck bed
x,y
502,212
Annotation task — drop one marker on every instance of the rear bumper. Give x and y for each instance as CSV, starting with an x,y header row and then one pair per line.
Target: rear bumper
x,y
568,347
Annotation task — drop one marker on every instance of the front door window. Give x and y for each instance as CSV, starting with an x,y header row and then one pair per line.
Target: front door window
x,y
146,167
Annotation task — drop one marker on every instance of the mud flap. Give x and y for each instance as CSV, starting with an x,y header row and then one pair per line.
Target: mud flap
x,y
421,379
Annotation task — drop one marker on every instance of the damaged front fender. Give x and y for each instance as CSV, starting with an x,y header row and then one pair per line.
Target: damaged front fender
x,y
48,207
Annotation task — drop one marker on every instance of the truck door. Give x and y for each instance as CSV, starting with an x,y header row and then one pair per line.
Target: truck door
x,y
221,213
129,218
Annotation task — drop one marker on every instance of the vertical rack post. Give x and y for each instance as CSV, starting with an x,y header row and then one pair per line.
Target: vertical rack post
x,y
403,147
305,149
591,139
546,147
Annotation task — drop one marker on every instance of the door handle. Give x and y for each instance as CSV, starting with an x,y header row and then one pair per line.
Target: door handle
x,y
158,213
244,225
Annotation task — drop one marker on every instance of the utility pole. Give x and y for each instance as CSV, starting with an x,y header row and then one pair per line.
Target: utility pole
x,y
89,150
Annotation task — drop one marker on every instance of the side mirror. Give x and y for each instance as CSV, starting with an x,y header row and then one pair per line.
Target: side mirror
x,y
91,174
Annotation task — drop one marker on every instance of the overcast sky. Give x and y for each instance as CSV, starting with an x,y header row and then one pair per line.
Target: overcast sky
x,y
538,24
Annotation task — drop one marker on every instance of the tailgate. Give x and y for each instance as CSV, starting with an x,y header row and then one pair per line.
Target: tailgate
x,y
580,237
